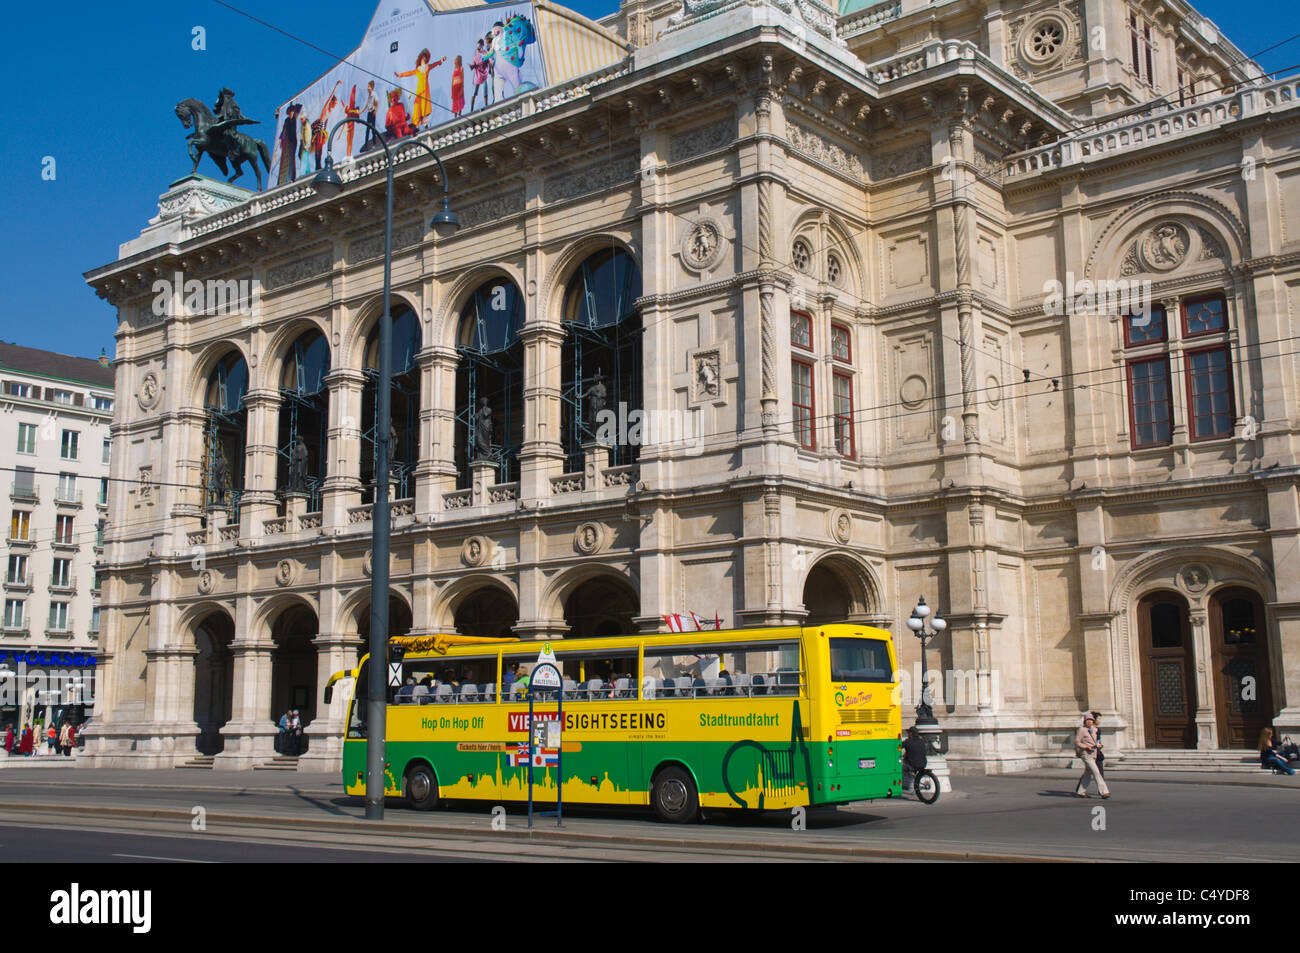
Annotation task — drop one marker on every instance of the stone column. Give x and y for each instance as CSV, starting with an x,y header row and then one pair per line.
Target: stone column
x,y
258,502
1207,733
542,454
334,653
342,485
250,733
172,682
438,424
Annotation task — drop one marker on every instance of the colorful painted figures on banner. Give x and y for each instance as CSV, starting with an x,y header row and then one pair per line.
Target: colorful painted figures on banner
x,y
496,66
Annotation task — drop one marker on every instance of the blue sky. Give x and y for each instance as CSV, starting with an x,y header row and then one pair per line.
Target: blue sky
x,y
94,87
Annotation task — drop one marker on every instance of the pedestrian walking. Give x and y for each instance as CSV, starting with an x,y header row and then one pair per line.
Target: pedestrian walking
x,y
9,739
1101,755
72,739
295,734
65,748
283,737
25,742
1085,746
51,739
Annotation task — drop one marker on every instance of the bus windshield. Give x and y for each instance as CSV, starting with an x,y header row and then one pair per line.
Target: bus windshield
x,y
860,660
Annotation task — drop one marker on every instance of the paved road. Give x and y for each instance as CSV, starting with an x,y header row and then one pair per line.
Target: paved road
x,y
1017,816
41,844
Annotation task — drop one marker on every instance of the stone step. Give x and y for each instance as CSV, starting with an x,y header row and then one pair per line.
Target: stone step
x,y
201,762
281,762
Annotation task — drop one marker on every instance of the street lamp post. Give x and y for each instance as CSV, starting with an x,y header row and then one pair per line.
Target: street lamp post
x,y
926,724
924,713
327,183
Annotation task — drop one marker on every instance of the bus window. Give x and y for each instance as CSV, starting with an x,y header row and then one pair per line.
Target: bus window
x,y
456,681
860,660
726,670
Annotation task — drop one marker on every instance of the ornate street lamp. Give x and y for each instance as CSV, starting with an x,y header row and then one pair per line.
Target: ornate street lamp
x,y
327,183
924,713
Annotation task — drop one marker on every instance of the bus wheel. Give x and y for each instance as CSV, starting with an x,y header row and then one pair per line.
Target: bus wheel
x,y
421,788
674,797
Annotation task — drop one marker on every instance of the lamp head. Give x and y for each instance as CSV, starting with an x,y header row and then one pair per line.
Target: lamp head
x,y
446,222
938,624
921,608
326,182
915,622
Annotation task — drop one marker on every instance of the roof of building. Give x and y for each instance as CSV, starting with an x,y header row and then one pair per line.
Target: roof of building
x,y
62,367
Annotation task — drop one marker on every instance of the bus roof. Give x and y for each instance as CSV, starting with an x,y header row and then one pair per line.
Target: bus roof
x,y
428,646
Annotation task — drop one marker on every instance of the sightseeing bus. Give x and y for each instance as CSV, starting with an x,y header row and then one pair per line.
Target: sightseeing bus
x,y
759,718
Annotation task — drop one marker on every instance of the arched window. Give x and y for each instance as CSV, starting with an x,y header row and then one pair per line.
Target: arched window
x,y
601,357
225,429
304,416
490,381
403,446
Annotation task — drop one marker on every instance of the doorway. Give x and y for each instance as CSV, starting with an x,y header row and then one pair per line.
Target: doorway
x,y
1243,701
1168,665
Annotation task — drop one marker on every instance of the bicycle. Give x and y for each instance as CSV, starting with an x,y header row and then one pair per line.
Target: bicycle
x,y
923,782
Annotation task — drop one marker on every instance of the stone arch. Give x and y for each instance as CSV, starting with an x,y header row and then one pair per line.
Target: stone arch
x,y
446,322
352,342
1108,248
454,594
1160,571
566,582
265,615
844,579
271,364
197,384
855,277
209,630
195,613
551,295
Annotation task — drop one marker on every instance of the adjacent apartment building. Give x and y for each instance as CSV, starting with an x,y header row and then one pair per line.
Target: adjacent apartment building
x,y
985,302
55,413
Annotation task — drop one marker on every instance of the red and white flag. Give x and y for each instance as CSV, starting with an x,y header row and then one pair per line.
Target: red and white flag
x,y
696,620
674,622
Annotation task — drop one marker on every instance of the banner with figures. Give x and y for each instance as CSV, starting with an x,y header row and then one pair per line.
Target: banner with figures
x,y
415,69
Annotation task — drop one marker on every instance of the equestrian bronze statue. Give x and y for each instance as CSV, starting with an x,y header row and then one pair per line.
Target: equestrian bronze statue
x,y
217,133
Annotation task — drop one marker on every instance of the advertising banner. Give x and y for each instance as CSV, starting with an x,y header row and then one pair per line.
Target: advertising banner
x,y
415,69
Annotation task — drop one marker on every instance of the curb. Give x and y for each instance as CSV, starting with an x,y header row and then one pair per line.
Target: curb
x,y
556,837
1266,784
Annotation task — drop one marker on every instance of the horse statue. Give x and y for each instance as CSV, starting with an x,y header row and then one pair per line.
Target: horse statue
x,y
220,138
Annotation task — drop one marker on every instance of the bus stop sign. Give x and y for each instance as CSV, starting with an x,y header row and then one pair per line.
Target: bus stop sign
x,y
546,673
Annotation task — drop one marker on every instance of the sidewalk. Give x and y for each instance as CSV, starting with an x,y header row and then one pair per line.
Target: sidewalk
x,y
66,774
46,770
1264,779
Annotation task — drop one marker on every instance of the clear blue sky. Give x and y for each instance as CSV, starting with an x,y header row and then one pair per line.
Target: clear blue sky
x,y
94,84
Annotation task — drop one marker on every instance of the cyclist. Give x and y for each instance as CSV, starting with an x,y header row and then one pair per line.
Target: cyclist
x,y
914,751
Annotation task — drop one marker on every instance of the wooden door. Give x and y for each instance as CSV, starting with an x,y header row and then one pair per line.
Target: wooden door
x,y
1243,701
1168,666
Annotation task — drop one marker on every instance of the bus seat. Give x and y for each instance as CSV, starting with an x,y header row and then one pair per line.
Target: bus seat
x,y
621,686
469,692
760,685
697,687
442,693
595,688
683,686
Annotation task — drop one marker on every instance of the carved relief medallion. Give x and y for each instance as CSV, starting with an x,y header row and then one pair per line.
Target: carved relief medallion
x,y
840,524
150,392
475,551
285,572
1165,247
590,538
207,582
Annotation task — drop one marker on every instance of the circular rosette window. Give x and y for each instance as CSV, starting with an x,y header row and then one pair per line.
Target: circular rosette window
x,y
1044,41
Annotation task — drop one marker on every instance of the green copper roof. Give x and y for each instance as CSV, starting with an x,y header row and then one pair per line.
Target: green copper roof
x,y
855,6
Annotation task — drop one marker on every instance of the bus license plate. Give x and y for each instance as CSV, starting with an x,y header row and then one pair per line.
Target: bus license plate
x,y
866,763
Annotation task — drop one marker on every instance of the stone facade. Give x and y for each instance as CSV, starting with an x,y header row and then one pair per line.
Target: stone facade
x,y
869,271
